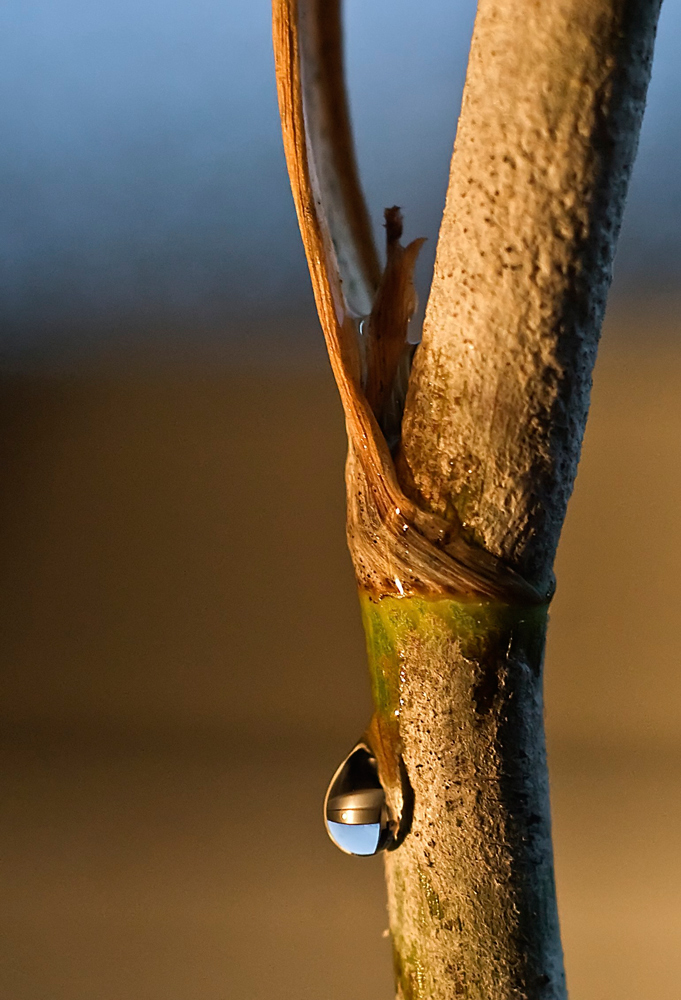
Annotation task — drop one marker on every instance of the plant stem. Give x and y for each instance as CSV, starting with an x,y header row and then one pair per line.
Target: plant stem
x,y
545,144
471,893
454,528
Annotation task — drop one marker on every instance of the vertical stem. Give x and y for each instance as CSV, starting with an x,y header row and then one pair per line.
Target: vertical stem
x,y
471,892
453,544
545,145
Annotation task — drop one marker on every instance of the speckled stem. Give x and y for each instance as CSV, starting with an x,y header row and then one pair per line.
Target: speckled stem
x,y
491,435
471,893
499,392
453,529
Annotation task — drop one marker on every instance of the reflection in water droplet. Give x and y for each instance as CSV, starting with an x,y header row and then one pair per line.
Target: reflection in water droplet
x,y
355,810
362,839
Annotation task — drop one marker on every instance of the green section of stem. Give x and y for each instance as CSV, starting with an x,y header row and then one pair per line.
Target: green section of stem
x,y
393,624
398,630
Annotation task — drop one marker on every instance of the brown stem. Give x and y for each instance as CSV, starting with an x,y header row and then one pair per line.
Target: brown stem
x,y
453,549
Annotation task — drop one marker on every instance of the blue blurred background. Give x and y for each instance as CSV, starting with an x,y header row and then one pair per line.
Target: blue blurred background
x,y
145,193
182,658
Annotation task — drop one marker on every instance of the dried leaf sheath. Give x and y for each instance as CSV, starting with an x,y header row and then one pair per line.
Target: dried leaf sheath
x,y
393,307
396,547
329,133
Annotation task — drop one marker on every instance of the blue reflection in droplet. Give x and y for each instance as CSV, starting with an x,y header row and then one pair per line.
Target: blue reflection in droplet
x,y
361,838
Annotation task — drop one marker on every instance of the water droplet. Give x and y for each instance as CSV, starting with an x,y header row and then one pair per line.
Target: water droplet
x,y
355,810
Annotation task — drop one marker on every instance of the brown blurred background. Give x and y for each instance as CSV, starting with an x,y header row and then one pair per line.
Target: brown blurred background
x,y
184,669
182,660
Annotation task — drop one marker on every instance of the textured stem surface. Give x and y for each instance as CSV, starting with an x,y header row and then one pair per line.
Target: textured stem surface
x,y
499,394
471,892
453,529
491,435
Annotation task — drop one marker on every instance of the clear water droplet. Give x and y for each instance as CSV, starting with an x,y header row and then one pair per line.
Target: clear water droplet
x,y
355,810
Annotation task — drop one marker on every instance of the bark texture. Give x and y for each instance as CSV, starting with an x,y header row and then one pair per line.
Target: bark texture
x,y
491,435
453,528
471,891
499,393
397,547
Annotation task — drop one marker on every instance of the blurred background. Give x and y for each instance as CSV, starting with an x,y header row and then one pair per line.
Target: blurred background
x,y
182,659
